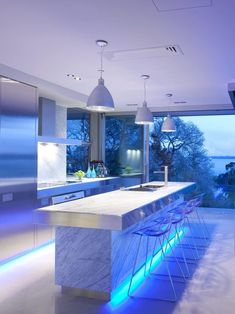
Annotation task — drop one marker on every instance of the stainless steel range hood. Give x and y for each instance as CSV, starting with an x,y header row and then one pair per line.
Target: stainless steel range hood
x,y
52,124
60,141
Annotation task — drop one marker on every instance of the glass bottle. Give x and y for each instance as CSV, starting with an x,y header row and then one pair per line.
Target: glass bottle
x,y
93,173
88,173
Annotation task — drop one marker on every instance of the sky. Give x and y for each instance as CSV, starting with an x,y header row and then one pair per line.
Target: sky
x,y
219,133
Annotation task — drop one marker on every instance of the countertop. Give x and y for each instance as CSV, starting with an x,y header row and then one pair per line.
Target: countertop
x,y
50,189
114,210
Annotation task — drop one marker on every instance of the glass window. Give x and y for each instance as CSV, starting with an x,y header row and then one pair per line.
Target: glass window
x,y
78,127
123,145
199,151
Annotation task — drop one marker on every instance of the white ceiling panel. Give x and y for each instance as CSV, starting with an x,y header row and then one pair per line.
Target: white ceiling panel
x,y
49,39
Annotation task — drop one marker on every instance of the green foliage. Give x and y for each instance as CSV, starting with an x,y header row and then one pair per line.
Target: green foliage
x,y
226,183
184,153
128,169
79,174
227,178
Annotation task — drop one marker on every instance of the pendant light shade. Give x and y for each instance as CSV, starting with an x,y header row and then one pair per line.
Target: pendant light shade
x,y
168,124
144,116
100,98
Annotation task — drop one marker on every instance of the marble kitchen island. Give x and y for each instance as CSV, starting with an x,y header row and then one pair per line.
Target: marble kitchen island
x,y
94,239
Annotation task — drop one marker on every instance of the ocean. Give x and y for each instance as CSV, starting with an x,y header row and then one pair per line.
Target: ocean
x,y
220,164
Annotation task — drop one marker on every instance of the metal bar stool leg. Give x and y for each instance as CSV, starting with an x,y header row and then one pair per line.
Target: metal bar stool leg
x,y
203,225
182,251
169,273
146,257
193,240
175,259
154,248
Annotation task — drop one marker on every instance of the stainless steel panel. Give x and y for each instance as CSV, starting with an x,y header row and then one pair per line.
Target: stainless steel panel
x,y
18,166
78,292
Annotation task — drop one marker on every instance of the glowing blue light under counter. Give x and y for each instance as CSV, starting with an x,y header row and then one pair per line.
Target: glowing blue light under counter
x,y
120,294
26,257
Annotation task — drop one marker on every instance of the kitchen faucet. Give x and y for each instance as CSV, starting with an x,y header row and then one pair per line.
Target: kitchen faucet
x,y
165,172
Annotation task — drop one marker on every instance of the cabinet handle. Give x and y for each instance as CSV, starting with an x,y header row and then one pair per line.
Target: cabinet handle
x,y
70,196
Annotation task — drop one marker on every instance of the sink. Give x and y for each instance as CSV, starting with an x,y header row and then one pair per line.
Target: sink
x,y
145,188
154,186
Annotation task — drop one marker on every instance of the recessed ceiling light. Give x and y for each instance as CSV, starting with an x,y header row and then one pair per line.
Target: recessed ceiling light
x,y
73,76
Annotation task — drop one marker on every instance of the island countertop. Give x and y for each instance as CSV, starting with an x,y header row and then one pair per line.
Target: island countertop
x,y
116,210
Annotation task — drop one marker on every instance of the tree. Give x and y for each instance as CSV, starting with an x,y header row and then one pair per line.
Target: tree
x,y
77,156
184,153
227,178
121,134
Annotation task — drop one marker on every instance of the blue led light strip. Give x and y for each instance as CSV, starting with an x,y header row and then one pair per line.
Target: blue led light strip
x,y
24,257
119,295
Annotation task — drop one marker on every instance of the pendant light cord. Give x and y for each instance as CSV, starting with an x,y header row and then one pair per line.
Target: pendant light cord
x,y
145,77
169,102
101,62
144,90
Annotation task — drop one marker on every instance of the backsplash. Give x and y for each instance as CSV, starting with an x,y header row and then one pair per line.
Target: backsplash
x,y
52,157
51,162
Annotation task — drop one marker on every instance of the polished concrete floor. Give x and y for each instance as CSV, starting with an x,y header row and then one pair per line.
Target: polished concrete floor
x,y
27,284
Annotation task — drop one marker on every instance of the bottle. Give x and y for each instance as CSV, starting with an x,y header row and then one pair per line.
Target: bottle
x,y
99,171
93,173
88,173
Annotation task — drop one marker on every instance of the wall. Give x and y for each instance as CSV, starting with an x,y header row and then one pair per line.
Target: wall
x,y
51,162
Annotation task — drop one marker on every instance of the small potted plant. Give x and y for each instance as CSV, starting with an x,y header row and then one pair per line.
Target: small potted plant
x,y
79,174
128,169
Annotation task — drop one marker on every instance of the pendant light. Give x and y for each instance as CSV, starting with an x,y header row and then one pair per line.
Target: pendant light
x,y
144,115
168,124
100,98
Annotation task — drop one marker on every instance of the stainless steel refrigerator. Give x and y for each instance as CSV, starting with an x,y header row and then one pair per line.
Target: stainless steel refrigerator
x,y
18,166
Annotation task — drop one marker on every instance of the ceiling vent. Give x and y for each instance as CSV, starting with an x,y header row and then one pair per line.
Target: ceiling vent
x,y
231,92
151,52
180,102
131,105
172,5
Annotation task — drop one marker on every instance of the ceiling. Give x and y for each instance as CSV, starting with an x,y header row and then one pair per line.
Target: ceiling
x,y
48,39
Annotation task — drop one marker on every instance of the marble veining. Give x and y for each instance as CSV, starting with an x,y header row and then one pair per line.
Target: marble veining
x,y
83,258
99,260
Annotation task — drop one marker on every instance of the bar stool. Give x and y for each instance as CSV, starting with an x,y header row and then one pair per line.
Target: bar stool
x,y
178,221
179,218
175,220
188,208
195,203
156,231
